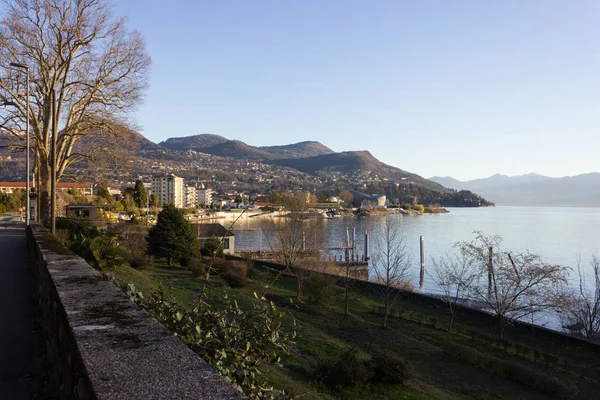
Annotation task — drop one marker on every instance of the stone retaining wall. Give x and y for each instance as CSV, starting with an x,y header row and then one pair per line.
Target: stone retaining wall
x,y
100,345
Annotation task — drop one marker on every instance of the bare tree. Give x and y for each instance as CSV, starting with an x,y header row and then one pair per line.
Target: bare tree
x,y
347,197
87,72
582,306
391,262
454,275
521,283
481,250
294,239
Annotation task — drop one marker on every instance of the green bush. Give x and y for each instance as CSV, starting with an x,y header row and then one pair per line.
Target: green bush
x,y
196,266
349,369
213,247
389,366
320,287
233,340
198,271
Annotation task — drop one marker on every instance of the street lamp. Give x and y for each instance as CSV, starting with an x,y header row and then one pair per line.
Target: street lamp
x,y
27,211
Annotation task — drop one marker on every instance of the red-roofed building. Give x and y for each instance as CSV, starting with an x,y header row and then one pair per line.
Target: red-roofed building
x,y
86,189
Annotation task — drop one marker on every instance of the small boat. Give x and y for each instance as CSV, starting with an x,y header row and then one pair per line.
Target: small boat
x,y
331,213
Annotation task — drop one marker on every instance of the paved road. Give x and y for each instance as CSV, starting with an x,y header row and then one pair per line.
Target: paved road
x,y
19,343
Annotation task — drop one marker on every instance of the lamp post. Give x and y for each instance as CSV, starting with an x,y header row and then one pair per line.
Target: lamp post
x,y
27,211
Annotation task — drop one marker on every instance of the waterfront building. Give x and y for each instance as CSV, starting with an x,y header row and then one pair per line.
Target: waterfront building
x,y
205,195
169,188
191,197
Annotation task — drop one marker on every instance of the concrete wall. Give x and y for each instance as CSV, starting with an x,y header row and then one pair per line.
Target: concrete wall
x,y
100,345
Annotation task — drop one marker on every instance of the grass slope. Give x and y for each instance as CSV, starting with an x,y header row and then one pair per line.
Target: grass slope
x,y
419,335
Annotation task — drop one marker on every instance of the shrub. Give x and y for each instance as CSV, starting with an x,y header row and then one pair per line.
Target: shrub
x,y
349,369
219,265
139,262
62,235
320,287
213,246
232,272
406,286
184,261
195,265
240,268
389,366
233,279
235,341
198,271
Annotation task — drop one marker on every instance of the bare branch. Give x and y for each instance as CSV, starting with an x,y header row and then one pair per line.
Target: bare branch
x,y
98,69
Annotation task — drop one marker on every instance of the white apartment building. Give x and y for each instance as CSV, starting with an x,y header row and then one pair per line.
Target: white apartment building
x,y
169,189
191,197
204,195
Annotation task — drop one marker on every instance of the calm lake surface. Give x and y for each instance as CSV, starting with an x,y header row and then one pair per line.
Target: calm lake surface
x,y
558,234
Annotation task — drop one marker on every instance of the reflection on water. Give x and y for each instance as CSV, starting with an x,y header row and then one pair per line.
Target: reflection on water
x,y
558,234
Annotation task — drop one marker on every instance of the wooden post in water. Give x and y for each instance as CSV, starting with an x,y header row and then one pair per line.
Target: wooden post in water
x,y
490,271
353,242
347,245
366,246
422,274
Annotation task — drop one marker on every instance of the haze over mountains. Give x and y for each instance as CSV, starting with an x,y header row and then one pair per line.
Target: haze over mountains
x,y
533,189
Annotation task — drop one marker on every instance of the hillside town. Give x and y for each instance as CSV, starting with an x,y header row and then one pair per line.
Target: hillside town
x,y
164,188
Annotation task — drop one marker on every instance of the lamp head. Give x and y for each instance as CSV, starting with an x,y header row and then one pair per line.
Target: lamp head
x,y
17,65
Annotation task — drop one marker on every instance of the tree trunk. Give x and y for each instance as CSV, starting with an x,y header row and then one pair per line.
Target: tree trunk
x,y
299,284
346,300
170,260
44,191
385,312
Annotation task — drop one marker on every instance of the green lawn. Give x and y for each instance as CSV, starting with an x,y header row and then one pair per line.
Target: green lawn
x,y
416,331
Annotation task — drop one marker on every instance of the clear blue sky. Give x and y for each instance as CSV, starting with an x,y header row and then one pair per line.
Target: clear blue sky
x,y
459,88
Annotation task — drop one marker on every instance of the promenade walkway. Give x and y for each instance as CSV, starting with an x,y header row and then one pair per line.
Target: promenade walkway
x,y
20,365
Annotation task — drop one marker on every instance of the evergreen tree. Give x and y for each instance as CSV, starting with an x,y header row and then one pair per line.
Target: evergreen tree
x,y
153,200
102,191
139,194
172,236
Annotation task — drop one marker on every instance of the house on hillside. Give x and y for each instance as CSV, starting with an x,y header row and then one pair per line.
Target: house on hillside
x,y
207,231
84,211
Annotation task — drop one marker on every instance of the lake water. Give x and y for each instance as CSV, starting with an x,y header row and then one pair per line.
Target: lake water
x,y
558,234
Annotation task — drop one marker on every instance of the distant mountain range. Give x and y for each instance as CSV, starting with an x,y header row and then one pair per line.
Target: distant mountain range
x,y
533,189
235,165
223,147
310,157
352,161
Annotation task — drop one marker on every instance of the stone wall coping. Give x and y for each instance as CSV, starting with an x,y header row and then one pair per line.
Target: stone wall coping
x,y
126,353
